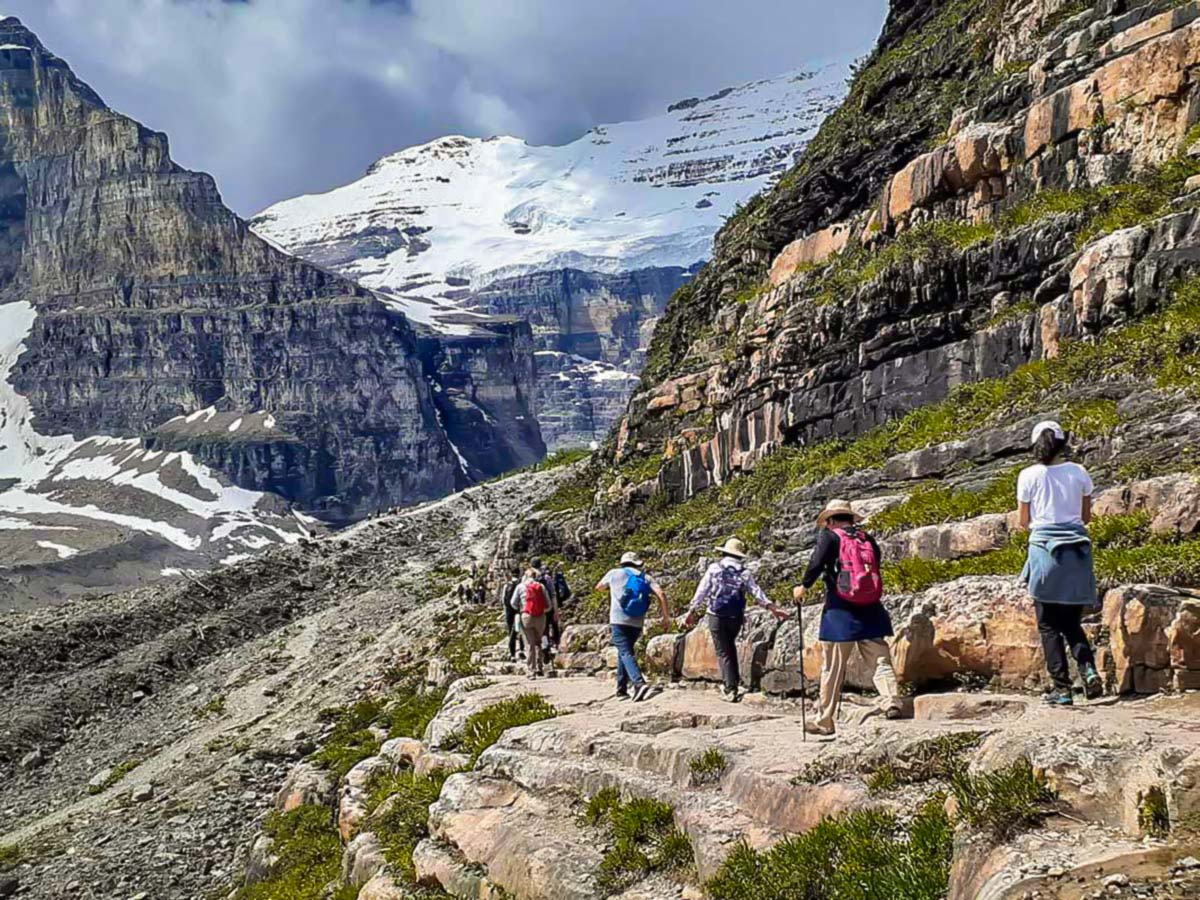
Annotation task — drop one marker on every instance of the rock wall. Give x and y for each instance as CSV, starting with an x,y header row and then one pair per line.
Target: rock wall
x,y
155,301
591,330
1094,100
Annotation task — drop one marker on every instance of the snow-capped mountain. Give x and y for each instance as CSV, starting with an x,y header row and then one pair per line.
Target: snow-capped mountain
x,y
586,240
461,213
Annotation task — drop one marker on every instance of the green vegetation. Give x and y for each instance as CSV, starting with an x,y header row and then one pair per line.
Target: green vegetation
x,y
709,766
412,713
399,814
118,772
1154,817
471,632
644,839
310,855
940,758
11,856
550,461
935,503
214,707
350,741
1004,802
1064,13
482,729
857,265
869,853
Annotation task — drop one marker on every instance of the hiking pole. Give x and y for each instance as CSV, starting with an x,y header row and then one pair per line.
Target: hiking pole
x,y
803,698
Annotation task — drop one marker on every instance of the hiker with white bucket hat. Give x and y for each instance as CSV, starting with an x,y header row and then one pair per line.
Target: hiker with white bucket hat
x,y
1055,502
722,595
631,588
853,619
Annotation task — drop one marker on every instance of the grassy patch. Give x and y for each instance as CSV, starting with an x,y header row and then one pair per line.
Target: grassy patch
x,y
214,707
709,766
350,741
869,853
856,265
482,729
119,771
556,460
11,856
412,713
936,503
644,839
399,805
310,854
1004,802
469,633
1154,817
939,758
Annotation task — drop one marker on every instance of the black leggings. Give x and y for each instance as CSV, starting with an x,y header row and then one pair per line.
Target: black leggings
x,y
514,633
1056,622
724,634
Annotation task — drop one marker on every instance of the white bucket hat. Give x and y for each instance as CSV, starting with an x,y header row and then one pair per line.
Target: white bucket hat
x,y
629,558
837,508
733,547
1048,425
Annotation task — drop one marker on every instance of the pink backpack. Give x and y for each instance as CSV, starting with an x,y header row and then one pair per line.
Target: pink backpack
x,y
858,579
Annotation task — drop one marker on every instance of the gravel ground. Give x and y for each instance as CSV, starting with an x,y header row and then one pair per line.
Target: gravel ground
x,y
212,688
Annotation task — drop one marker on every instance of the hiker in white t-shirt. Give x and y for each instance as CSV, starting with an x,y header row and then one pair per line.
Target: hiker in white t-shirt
x,y
1055,503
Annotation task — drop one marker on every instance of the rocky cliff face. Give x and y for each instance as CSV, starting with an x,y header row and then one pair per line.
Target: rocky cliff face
x,y
155,302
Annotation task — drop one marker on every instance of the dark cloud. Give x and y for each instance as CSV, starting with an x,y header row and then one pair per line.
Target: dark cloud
x,y
281,97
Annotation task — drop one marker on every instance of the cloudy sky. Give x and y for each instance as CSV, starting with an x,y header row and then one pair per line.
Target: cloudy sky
x,y
283,97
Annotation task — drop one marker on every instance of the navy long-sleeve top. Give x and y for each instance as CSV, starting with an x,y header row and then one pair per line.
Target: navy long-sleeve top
x,y
841,620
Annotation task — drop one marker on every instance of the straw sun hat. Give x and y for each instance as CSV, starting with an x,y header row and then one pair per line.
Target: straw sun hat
x,y
733,547
837,508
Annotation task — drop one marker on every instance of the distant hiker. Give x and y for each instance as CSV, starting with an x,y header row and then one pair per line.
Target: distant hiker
x,y
512,614
553,632
536,604
630,588
853,617
561,587
721,596
1055,502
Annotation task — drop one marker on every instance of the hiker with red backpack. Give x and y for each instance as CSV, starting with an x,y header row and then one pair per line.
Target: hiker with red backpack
x,y
535,600
721,595
853,619
630,588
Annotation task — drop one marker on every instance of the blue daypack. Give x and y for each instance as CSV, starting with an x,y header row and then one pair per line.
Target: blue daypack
x,y
635,599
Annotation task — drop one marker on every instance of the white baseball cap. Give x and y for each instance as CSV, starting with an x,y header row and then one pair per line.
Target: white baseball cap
x,y
1048,425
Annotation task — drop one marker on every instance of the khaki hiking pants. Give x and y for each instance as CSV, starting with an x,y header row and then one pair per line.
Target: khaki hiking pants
x,y
835,656
534,627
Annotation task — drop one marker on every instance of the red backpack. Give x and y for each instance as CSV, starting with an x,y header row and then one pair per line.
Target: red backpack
x,y
858,579
535,599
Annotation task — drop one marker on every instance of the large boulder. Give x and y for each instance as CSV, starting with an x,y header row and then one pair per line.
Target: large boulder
x,y
664,655
1152,638
949,540
356,787
305,785
362,859
382,887
1173,501
700,653
1102,277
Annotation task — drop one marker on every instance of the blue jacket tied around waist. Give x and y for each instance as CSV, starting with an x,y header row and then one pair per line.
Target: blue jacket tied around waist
x,y
1059,568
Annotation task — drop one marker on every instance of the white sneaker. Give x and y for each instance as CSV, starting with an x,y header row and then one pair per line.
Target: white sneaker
x,y
644,692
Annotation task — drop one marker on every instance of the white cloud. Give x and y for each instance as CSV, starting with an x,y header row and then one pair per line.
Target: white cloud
x,y
281,97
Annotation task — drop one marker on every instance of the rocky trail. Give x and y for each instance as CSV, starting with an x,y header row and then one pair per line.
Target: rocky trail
x,y
145,733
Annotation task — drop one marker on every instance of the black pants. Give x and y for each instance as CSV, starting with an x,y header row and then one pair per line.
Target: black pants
x,y
1058,622
554,630
514,633
724,633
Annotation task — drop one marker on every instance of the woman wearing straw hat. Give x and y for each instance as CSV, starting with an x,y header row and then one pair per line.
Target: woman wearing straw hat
x,y
1055,501
853,619
722,594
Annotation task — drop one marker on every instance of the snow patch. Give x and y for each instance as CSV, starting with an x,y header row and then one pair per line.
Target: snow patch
x,y
63,551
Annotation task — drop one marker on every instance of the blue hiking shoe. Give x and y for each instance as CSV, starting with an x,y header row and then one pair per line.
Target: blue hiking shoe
x,y
1060,697
1093,686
